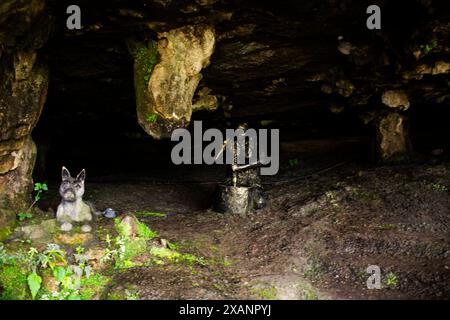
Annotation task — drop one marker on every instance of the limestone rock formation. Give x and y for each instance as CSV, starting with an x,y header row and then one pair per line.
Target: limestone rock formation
x,y
395,99
23,91
164,91
392,134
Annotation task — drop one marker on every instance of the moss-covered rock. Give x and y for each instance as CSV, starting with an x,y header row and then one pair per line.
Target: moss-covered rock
x,y
166,76
13,283
7,223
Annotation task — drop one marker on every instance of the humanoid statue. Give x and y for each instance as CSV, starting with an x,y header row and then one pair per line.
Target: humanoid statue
x,y
245,175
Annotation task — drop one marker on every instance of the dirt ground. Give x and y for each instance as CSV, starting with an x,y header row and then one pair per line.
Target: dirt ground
x,y
325,223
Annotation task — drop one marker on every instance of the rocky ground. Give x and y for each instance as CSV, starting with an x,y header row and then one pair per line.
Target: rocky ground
x,y
323,226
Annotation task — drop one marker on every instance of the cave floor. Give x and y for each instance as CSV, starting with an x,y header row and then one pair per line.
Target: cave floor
x,y
314,240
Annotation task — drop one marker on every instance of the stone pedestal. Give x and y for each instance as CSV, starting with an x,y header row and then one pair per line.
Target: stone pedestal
x,y
236,200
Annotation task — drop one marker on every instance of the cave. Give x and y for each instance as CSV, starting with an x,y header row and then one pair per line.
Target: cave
x,y
363,146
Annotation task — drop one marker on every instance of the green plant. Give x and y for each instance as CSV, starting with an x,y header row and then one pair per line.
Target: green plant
x,y
148,57
149,214
151,118
22,274
131,295
294,162
34,283
391,280
146,232
312,269
24,215
427,48
439,187
269,293
39,188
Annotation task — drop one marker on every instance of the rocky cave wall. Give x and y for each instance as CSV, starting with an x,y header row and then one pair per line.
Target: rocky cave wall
x,y
244,59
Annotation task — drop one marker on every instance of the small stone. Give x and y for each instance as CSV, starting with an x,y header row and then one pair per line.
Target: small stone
x,y
49,283
160,242
109,213
39,232
345,47
66,227
129,224
86,228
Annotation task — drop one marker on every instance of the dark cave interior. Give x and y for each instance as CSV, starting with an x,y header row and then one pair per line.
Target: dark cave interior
x,y
89,119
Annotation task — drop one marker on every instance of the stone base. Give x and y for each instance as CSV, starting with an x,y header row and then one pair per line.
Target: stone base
x,y
237,200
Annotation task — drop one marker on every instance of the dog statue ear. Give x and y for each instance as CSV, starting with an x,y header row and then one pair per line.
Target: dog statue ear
x,y
65,174
82,175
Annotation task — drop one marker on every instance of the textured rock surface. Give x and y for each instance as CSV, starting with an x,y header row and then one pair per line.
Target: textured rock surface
x,y
164,92
395,99
393,140
23,89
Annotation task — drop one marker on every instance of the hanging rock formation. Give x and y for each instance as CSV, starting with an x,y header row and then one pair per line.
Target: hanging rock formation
x,y
167,75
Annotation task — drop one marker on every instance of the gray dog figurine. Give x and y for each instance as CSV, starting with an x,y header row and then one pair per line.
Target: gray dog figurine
x,y
72,208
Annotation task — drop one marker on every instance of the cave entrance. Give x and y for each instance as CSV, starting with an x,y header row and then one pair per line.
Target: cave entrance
x,y
89,121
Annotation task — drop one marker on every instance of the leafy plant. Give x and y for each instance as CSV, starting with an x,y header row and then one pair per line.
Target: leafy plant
x,y
24,215
439,187
294,162
34,282
427,48
26,269
151,118
391,280
39,188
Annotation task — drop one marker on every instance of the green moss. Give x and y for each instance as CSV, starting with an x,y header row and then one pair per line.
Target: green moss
x,y
150,214
92,286
146,232
134,248
269,293
176,257
13,283
8,222
146,58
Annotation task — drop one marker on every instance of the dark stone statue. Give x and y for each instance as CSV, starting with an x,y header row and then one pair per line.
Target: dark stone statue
x,y
242,191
